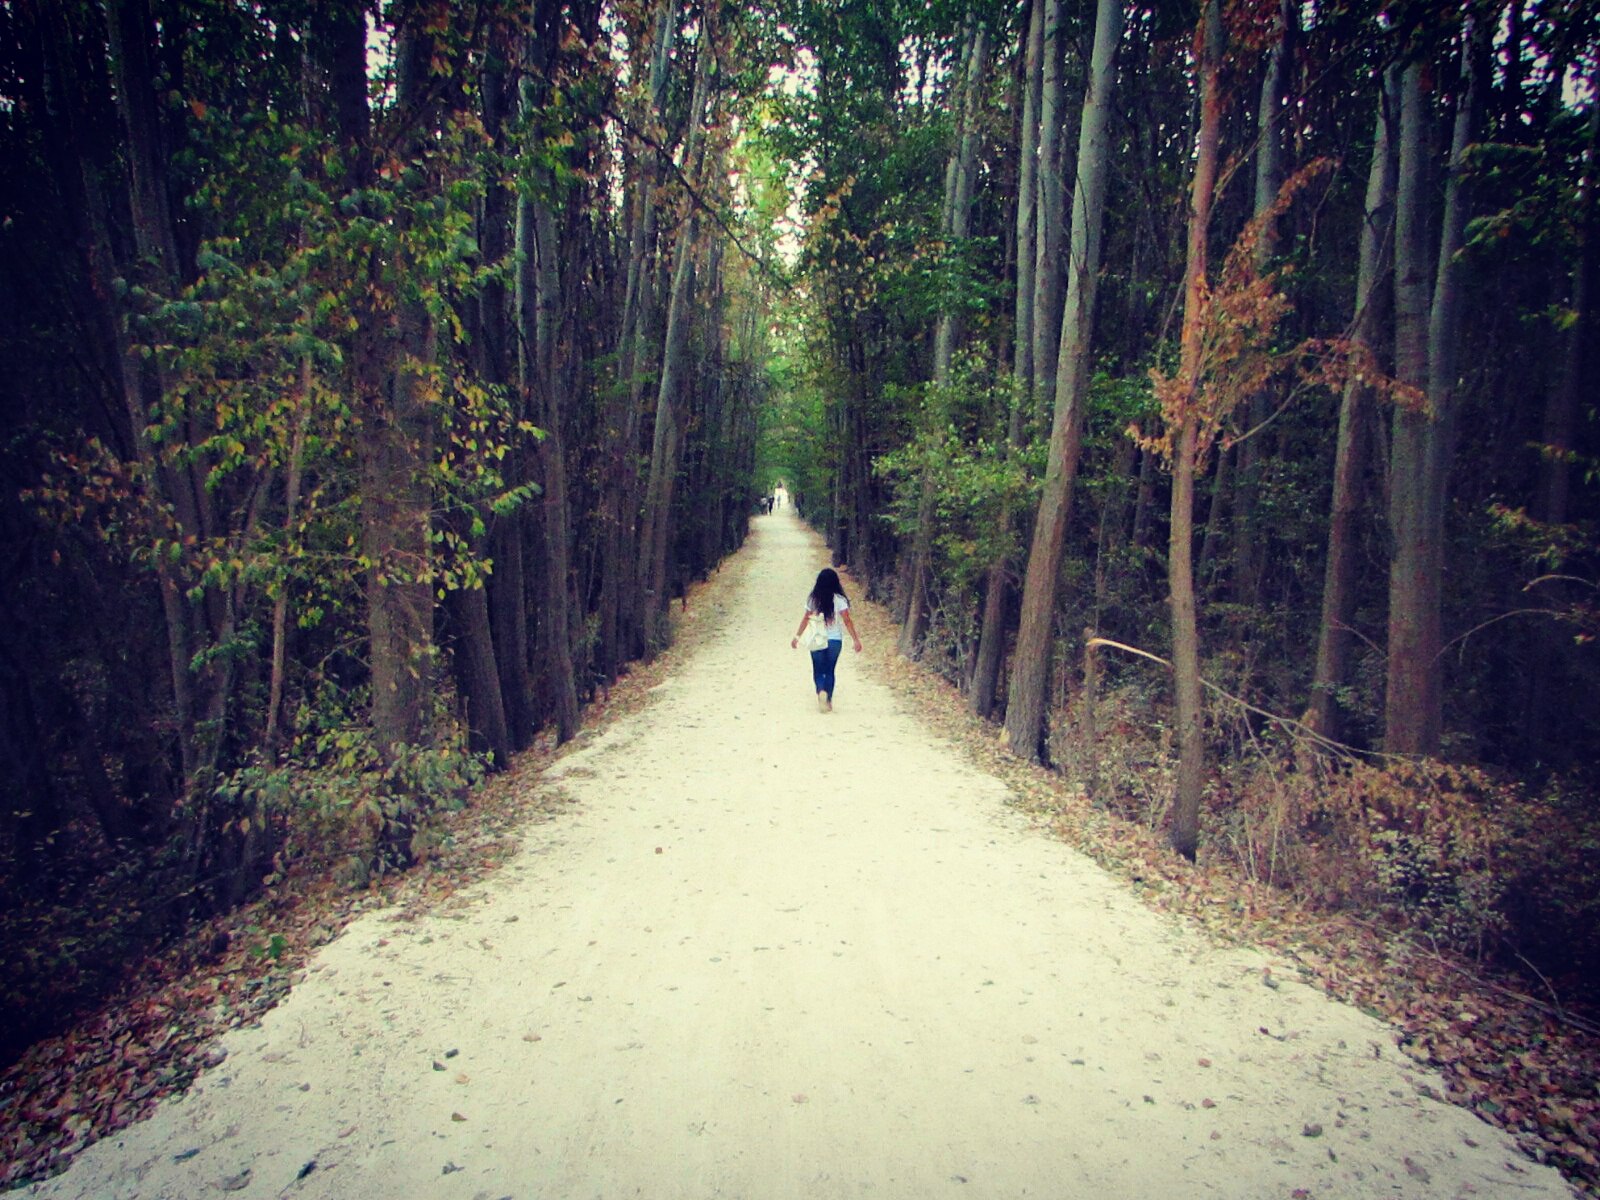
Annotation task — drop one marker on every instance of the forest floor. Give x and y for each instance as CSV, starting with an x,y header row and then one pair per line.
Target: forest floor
x,y
733,946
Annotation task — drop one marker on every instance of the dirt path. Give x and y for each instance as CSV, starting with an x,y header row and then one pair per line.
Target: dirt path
x,y
776,953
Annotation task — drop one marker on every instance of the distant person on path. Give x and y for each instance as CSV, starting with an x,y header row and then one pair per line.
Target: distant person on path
x,y
828,602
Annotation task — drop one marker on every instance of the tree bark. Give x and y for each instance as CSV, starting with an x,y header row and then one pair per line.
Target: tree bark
x,y
1426,331
543,381
1338,588
947,334
657,523
1190,715
1248,456
1026,696
393,349
1051,210
624,579
997,585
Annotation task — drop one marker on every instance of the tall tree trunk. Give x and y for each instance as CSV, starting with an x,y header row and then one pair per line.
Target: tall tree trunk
x,y
1026,697
543,382
657,523
1425,353
947,334
624,579
494,350
1051,210
202,694
280,605
1338,586
1269,178
992,636
394,349
155,267
1190,716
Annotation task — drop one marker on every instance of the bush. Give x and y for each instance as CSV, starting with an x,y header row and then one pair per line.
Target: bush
x,y
1464,858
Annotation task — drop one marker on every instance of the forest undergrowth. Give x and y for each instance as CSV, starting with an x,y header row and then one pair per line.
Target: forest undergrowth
x,y
157,1030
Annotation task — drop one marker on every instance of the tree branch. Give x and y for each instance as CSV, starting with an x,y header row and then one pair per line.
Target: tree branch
x,y
773,275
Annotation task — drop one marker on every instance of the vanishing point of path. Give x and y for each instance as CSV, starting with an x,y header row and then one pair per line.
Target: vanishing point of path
x,y
773,953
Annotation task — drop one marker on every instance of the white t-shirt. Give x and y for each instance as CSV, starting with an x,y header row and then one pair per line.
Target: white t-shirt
x,y
834,627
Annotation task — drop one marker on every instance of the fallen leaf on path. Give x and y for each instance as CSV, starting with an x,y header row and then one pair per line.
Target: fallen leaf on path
x,y
236,1183
1311,1130
455,1116
463,1077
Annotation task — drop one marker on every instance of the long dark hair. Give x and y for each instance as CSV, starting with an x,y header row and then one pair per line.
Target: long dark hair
x,y
825,589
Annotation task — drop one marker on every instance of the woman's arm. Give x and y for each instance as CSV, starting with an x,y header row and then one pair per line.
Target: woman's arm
x,y
851,626
805,619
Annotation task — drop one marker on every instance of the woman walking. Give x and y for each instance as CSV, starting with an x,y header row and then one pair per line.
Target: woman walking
x,y
828,603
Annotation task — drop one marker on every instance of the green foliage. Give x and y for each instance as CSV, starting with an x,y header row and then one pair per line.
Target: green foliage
x,y
980,481
333,794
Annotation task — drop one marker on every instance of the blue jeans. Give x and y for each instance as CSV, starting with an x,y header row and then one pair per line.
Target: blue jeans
x,y
822,665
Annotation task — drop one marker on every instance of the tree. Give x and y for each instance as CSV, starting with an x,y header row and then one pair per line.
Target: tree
x,y
1338,590
1025,703
1427,328
947,331
1184,425
666,443
992,637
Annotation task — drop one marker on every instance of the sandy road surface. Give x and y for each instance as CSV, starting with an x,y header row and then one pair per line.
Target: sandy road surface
x,y
779,954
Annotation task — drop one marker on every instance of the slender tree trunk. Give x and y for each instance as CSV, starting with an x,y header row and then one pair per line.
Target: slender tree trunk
x,y
664,448
1190,716
1026,698
394,348
1338,587
543,380
155,267
624,576
479,673
1425,354
1248,455
992,636
280,605
1051,210
958,207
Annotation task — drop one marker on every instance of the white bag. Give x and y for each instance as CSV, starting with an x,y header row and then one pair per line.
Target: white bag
x,y
817,638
